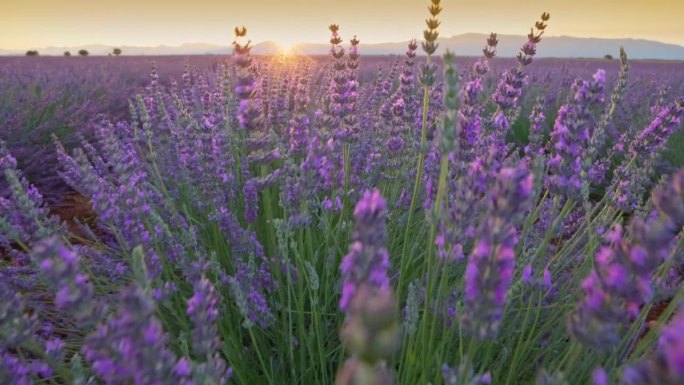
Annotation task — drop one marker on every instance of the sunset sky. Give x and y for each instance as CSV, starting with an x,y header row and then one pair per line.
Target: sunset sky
x,y
29,24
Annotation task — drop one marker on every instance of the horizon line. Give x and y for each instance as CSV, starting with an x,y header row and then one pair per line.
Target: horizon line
x,y
177,45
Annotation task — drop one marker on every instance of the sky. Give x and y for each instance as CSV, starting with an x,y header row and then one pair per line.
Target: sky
x,y
32,24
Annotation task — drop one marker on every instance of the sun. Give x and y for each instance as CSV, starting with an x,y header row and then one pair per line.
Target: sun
x,y
287,48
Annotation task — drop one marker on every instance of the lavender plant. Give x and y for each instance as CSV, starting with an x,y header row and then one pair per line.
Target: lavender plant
x,y
344,219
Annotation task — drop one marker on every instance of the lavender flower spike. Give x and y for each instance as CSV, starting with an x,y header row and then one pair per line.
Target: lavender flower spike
x,y
571,132
492,263
372,329
131,347
368,259
202,311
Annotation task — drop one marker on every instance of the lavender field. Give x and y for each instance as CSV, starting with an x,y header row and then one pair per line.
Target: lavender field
x,y
347,219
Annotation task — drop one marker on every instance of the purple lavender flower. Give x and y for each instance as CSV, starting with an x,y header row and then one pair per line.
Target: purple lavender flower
x,y
251,200
259,142
249,287
368,260
621,281
131,347
299,124
467,189
492,263
25,217
14,371
535,145
599,376
509,90
75,294
351,108
594,165
633,177
571,132
202,311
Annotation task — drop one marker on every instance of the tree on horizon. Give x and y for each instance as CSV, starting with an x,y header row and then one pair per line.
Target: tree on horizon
x,y
83,52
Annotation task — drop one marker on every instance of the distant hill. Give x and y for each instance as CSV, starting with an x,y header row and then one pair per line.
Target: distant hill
x,y
469,44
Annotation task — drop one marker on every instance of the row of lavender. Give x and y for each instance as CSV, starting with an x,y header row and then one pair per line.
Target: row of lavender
x,y
40,97
43,96
483,249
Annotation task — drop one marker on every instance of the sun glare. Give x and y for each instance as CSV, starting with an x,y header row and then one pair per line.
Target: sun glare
x,y
287,49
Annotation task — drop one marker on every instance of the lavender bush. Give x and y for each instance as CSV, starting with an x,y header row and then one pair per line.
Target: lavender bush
x,y
347,220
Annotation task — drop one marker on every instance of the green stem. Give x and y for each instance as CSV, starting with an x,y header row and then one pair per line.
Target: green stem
x,y
416,190
268,214
569,204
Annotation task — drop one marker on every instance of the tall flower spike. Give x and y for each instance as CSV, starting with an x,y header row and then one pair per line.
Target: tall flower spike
x,y
595,167
535,146
469,121
430,34
490,50
202,311
491,265
572,130
372,329
259,142
529,49
131,347
633,177
351,123
508,94
240,31
75,294
447,133
368,259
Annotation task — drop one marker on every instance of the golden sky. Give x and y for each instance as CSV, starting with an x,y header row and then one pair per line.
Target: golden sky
x,y
27,24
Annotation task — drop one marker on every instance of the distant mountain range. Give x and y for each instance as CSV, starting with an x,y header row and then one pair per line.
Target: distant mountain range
x,y
469,44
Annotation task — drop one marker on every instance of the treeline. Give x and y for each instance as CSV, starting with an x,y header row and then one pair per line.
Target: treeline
x,y
82,52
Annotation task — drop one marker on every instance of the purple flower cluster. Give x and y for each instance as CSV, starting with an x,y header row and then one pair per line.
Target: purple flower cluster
x,y
74,293
571,132
620,284
131,347
24,217
299,124
119,188
259,142
213,219
535,147
470,111
509,90
633,177
203,312
492,263
368,260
